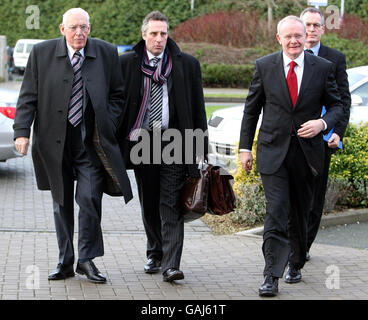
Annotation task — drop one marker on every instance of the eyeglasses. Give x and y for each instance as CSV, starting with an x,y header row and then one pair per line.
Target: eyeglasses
x,y
297,37
82,27
315,25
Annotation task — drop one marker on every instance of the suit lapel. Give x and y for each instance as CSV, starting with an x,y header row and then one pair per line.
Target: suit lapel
x,y
279,72
307,75
323,52
180,98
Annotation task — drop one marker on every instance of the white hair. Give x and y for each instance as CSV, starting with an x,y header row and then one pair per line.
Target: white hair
x,y
74,11
288,18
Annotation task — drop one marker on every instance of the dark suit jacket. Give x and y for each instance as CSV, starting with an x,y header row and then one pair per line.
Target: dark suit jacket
x,y
186,101
269,91
44,98
339,66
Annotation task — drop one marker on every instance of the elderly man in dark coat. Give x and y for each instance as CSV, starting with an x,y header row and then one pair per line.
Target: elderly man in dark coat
x,y
72,91
163,94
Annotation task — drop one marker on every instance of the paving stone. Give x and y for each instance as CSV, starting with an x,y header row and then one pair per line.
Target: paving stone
x,y
215,267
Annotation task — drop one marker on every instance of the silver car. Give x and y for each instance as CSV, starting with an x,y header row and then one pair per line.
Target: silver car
x,y
8,102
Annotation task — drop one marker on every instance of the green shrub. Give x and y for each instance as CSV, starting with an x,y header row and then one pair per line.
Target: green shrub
x,y
352,161
250,198
351,164
336,188
222,75
250,204
347,185
356,52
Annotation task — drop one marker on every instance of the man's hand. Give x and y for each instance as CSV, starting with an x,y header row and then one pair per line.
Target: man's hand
x,y
21,145
246,159
334,141
311,128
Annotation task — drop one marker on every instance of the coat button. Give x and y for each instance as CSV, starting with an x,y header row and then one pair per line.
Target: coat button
x,y
58,141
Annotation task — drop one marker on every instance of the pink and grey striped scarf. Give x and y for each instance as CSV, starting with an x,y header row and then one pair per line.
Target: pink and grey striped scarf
x,y
159,74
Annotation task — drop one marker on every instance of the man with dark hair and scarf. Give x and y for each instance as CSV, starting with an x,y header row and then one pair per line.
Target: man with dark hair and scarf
x,y
163,92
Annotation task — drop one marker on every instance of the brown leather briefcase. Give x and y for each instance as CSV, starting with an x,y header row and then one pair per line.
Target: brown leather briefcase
x,y
194,196
221,197
212,193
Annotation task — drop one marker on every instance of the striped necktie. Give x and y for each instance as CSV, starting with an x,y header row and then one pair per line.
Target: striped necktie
x,y
155,118
76,100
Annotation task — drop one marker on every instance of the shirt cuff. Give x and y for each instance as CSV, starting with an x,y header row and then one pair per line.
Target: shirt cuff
x,y
325,124
245,150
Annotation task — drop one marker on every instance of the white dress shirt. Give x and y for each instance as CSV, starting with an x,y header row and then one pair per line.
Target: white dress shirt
x,y
165,100
71,52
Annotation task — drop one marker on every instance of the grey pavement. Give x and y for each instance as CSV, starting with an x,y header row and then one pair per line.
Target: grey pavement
x,y
354,235
216,267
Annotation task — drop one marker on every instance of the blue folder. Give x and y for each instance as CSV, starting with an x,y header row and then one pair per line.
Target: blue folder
x,y
327,136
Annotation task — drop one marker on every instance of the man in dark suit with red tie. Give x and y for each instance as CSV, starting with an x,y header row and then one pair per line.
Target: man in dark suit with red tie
x,y
72,91
314,21
290,87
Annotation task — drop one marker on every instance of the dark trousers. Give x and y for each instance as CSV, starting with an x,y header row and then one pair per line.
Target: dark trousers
x,y
319,193
288,193
88,195
159,187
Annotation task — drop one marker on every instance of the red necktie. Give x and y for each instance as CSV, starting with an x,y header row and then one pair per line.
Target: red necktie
x,y
292,83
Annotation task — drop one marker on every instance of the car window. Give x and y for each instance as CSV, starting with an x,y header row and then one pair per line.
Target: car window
x,y
362,92
354,77
19,48
29,47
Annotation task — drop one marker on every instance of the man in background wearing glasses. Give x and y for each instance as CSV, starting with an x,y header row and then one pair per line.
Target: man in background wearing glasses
x,y
314,21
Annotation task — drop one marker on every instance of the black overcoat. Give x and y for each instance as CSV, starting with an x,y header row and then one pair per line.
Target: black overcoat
x,y
186,101
44,99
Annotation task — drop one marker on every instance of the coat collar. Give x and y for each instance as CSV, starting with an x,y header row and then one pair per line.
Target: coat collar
x,y
323,52
171,45
89,49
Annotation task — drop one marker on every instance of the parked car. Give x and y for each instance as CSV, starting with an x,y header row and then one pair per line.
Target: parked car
x,y
9,58
8,102
123,48
21,53
224,124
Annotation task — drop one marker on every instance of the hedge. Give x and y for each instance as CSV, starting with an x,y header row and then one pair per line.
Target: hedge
x,y
222,75
351,165
116,21
356,52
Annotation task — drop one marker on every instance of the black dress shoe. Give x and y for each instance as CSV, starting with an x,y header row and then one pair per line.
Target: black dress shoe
x,y
62,271
293,275
307,256
89,269
153,266
269,287
173,274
